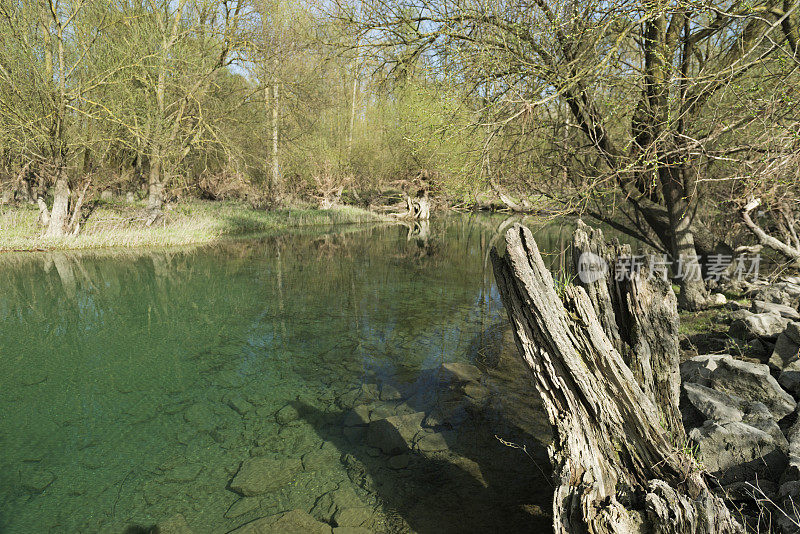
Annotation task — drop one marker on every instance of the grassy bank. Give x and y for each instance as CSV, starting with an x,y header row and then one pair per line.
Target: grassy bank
x,y
118,224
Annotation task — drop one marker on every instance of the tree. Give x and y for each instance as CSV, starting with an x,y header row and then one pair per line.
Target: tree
x,y
638,81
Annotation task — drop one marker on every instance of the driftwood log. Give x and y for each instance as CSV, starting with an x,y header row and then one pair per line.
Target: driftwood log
x,y
604,361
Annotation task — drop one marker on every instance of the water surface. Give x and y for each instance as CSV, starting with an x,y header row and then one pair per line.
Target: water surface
x,y
134,384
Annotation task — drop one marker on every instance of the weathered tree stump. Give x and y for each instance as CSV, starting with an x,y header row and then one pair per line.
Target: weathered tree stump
x,y
419,206
616,462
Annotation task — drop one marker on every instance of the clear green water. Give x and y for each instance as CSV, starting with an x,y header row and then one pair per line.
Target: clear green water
x,y
134,384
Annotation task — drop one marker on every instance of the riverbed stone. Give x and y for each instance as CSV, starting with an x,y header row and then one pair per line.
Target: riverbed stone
x,y
435,441
390,393
399,461
34,480
354,516
358,416
460,372
242,506
239,405
264,474
200,416
293,522
749,381
174,525
395,434
184,473
753,325
286,415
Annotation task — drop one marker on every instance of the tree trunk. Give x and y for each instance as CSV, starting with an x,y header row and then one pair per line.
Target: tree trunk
x,y
693,295
616,467
59,215
276,170
155,189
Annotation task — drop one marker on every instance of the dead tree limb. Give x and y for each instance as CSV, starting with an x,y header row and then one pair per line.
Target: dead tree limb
x,y
615,466
790,252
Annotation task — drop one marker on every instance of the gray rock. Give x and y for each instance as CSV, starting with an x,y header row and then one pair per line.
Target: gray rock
x,y
737,452
759,306
781,292
711,404
789,378
786,350
789,501
717,300
264,474
753,325
395,434
750,381
750,490
793,470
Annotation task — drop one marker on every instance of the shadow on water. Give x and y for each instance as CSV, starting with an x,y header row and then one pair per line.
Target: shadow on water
x,y
474,483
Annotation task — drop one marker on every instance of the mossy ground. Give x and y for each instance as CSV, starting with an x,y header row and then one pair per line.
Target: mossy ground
x,y
120,224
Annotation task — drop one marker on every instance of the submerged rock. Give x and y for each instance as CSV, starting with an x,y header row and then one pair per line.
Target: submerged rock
x,y
355,516
184,473
287,414
36,480
294,522
174,525
459,372
395,434
358,416
243,506
435,441
400,461
264,474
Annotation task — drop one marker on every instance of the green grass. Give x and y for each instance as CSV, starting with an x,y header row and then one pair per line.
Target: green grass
x,y
118,224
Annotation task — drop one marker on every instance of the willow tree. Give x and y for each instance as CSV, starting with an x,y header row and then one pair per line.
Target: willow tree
x,y
639,81
46,67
